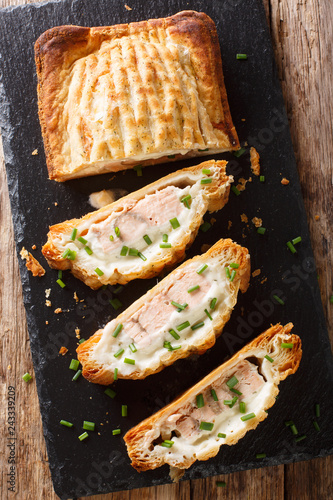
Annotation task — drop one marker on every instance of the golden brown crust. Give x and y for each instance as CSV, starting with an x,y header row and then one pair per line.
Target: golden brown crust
x,y
286,362
58,53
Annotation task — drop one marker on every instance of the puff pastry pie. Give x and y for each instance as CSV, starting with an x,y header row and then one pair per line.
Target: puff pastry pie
x,y
182,315
140,234
117,96
221,408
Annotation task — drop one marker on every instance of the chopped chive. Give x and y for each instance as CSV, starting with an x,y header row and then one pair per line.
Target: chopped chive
x,y
239,152
186,200
117,330
193,288
27,377
300,438
288,423
277,298
65,423
209,316
241,56
82,240
132,251
261,455
115,432
230,402
242,407
293,429
232,382
74,233
174,334
206,171
248,417
234,265
167,443
133,347
206,181
167,345
206,426
291,247
81,341
316,426
205,226
165,238
138,169
129,361
296,240
66,253
201,150
118,289
235,391
119,353
88,426
202,268
77,375
179,306
115,374
117,231
200,401
142,257
262,178
261,230
74,364
104,287
182,326
174,223
83,436
99,271
269,358
317,410
111,237
221,435
116,304
233,274
72,255
124,410
171,156
123,251
221,484
165,245
88,250
213,303
110,392
227,272
147,239
235,190
286,345
60,274
197,325
214,395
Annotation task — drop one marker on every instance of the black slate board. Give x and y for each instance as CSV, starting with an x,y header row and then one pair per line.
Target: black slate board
x,y
100,464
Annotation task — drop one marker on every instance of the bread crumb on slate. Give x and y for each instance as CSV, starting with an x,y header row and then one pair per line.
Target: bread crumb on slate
x,y
317,217
77,333
212,221
58,310
229,224
47,292
242,183
127,7
32,264
63,350
285,181
263,281
205,247
244,218
76,297
46,322
35,152
254,158
55,203
256,273
48,303
34,247
257,222
243,119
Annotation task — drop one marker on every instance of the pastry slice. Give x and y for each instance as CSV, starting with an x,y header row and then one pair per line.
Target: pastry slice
x,y
182,315
220,409
114,97
140,234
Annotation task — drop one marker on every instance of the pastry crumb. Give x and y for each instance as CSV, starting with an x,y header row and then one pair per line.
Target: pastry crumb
x,y
241,184
257,221
58,310
63,350
285,181
32,264
48,303
263,281
46,322
34,247
256,273
244,218
243,119
76,297
254,158
205,247
212,221
317,217
55,203
127,7
229,224
47,292
35,152
77,333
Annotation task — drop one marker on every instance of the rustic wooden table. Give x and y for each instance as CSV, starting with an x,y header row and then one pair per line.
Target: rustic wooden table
x,y
301,33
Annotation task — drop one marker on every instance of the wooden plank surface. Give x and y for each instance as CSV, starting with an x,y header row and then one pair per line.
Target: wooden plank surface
x,y
301,33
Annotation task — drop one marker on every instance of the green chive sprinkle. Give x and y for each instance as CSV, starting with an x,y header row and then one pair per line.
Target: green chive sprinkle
x,y
81,341
132,251
74,364
124,410
221,435
111,237
200,401
60,274
118,289
242,407
206,426
214,395
206,171
142,257
317,410
277,298
186,200
77,375
316,426
293,429
66,253
206,181
269,358
174,334
165,238
167,345
209,316
235,391
72,255
261,455
129,361
171,156
123,251
300,438
115,374
232,382
27,377
133,347
221,484
61,283
202,268
165,245
167,443
213,303
118,353
116,304
109,392
291,247
174,223
65,423
179,306
248,417
234,265
261,230
83,436
138,169
227,272
197,325
230,402
82,240
88,250
117,231
74,233
182,326
88,426
147,239
286,345
241,56
115,432
117,330
262,178
233,274
288,423
99,271
235,190
205,226
207,149
193,288
296,240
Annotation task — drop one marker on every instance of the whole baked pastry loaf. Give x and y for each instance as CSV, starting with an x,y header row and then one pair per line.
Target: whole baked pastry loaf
x,y
183,314
113,97
220,409
140,234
